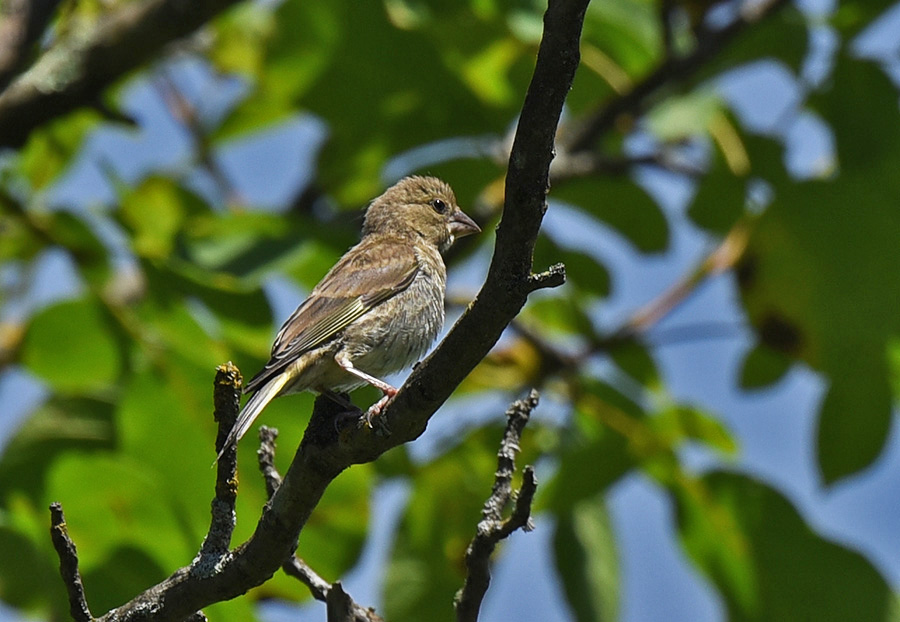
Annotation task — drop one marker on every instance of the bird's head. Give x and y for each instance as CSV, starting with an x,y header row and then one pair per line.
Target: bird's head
x,y
420,205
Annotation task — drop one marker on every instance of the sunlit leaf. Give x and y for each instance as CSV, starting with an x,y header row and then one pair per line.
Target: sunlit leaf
x,y
677,424
73,346
60,425
111,502
52,149
684,117
154,212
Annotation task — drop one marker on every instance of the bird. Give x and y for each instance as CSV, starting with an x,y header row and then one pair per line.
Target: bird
x,y
376,312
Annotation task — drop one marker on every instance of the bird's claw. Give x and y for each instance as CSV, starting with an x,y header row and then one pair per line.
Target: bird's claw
x,y
372,418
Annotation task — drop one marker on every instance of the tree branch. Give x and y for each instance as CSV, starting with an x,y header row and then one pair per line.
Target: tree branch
x,y
78,68
21,25
227,401
68,565
323,455
492,528
340,607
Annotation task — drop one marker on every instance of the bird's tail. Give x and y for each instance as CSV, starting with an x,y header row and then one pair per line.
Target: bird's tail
x,y
251,410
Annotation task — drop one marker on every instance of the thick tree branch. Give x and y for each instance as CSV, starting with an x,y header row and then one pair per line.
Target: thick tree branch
x,y
492,528
322,455
78,68
68,565
21,24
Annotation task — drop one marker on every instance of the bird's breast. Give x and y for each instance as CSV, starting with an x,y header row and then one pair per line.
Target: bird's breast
x,y
399,331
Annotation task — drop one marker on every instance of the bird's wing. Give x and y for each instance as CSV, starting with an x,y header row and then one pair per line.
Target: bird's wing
x,y
363,278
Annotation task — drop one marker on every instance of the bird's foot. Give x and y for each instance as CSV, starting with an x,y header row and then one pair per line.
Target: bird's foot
x,y
372,418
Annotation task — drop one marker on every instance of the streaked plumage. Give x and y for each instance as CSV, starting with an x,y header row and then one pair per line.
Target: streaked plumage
x,y
376,311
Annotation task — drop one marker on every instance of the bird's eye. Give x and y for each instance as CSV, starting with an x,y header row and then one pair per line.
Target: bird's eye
x,y
439,206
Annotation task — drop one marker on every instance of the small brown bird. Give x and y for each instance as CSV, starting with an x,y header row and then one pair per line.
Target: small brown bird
x,y
376,311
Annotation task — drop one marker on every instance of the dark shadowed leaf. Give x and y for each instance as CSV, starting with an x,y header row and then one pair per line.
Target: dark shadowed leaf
x,y
587,561
763,367
758,551
814,278
621,204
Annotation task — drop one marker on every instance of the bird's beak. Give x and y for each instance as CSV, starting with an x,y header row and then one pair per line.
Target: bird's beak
x,y
461,225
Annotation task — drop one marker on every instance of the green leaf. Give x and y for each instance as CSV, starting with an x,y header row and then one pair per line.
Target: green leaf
x,y
155,212
73,347
587,468
19,241
783,35
628,31
126,572
759,552
188,306
623,205
332,65
51,149
633,358
113,502
427,561
582,270
564,314
675,424
763,367
231,241
587,561
678,118
852,17
240,35
813,277
60,425
333,538
720,200
72,233
32,583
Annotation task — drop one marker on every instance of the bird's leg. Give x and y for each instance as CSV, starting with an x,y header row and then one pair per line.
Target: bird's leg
x,y
347,365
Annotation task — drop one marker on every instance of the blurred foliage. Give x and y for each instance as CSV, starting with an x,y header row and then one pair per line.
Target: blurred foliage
x,y
168,283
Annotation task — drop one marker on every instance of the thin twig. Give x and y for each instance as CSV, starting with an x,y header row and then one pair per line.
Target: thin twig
x,y
340,606
493,528
300,570
68,564
671,70
554,276
187,113
226,399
